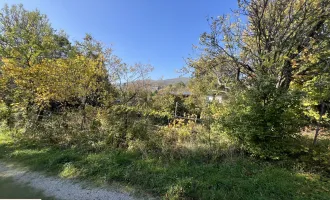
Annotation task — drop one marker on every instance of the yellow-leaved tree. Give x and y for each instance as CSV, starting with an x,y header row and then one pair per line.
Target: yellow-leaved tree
x,y
62,80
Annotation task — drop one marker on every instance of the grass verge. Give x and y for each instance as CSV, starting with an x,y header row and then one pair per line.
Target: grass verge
x,y
231,178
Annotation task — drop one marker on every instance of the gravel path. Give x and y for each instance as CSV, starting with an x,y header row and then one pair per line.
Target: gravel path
x,y
59,188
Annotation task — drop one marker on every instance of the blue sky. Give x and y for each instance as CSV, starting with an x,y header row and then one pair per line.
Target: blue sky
x,y
158,32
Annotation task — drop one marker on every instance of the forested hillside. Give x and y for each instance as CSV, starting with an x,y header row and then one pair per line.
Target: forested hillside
x,y
76,109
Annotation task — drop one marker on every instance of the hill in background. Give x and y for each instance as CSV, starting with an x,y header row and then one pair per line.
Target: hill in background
x,y
167,82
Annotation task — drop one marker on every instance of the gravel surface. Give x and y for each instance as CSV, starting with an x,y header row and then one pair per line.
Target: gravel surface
x,y
59,188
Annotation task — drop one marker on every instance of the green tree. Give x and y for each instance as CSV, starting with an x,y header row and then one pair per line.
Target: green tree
x,y
28,37
277,34
261,49
265,120
26,40
317,99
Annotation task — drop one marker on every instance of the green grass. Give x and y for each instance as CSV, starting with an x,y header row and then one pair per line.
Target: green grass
x,y
232,178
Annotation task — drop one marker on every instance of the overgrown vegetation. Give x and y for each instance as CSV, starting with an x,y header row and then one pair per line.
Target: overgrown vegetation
x,y
77,110
195,177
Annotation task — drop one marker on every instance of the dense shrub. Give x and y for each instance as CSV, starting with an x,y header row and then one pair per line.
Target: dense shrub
x,y
266,120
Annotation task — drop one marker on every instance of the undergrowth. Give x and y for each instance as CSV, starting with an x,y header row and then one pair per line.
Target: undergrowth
x,y
228,177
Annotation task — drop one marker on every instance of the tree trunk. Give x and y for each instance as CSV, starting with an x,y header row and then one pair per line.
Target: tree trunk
x,y
83,120
318,123
238,74
123,135
40,114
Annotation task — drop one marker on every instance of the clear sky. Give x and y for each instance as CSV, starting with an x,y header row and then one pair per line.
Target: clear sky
x,y
158,32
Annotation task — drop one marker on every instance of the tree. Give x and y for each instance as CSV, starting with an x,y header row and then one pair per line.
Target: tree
x,y
61,80
266,121
133,94
28,37
317,98
262,49
40,68
26,40
275,35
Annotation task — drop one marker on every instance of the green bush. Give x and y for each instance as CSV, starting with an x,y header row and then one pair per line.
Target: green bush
x,y
265,119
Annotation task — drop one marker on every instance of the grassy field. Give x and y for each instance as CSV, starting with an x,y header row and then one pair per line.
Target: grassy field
x,y
230,178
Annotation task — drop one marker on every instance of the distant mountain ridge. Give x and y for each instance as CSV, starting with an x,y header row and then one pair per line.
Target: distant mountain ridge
x,y
167,82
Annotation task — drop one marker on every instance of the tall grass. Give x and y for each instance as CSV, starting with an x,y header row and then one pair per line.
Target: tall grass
x,y
233,177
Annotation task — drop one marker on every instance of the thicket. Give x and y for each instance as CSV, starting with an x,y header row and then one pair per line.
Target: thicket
x,y
272,73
